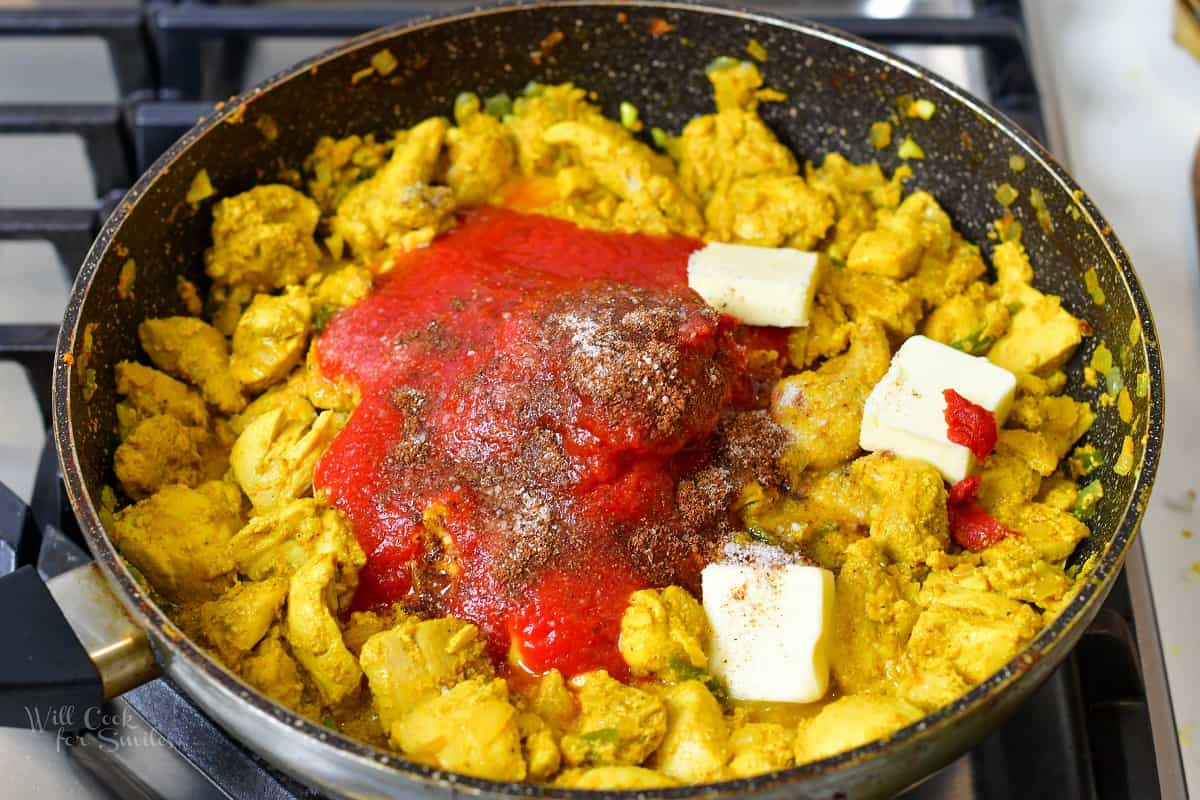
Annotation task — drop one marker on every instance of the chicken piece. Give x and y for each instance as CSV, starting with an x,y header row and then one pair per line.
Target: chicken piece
x,y
335,290
875,296
472,729
895,248
290,396
226,304
178,538
827,333
539,747
196,352
240,618
314,635
614,778
417,660
663,633
652,201
822,408
971,321
336,165
1051,532
769,211
162,450
397,207
270,338
942,275
696,744
962,636
1014,471
875,611
274,457
617,724
480,154
1014,568
1012,264
857,191
276,544
148,393
553,702
1059,420
362,625
263,238
908,522
851,721
1042,335
536,112
716,150
273,671
759,747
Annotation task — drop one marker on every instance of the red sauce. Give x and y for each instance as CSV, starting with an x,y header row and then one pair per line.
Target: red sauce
x,y
535,399
970,526
970,425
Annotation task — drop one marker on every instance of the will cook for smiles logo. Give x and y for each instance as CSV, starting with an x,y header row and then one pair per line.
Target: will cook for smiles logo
x,y
106,728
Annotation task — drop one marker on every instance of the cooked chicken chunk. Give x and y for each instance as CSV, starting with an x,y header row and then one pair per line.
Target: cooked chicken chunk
x,y
178,537
314,635
263,238
416,660
197,352
270,338
274,457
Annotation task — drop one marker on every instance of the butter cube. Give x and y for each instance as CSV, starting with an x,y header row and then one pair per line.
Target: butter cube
x,y
906,411
756,285
771,629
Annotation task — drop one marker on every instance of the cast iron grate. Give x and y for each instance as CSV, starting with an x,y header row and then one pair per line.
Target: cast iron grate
x,y
1086,734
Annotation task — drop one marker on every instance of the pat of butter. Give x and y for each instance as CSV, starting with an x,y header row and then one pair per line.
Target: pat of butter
x,y
756,285
771,629
906,411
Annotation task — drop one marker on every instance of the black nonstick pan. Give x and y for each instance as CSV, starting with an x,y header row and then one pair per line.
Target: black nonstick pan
x,y
650,54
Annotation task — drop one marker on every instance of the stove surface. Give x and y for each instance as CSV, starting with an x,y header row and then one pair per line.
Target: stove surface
x,y
91,93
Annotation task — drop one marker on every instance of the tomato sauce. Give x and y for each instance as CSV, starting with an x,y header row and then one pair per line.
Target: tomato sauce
x,y
969,424
971,527
538,434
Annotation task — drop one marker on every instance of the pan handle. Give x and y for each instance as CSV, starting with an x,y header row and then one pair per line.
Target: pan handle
x,y
68,645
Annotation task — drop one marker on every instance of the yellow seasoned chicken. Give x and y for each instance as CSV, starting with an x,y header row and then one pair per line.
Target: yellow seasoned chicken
x,y
480,153
146,393
240,618
313,634
274,457
822,408
161,450
416,660
398,206
178,538
263,238
472,728
617,724
663,633
270,338
695,746
195,351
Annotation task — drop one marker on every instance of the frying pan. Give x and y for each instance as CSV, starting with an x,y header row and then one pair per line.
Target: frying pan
x,y
836,86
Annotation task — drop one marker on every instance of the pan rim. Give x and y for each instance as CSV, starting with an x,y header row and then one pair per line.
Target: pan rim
x,y
1066,626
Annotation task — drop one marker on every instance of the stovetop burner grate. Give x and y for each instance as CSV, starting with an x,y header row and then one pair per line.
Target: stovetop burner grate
x,y
1086,734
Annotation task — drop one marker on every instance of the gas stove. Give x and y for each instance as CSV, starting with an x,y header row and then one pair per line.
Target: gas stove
x,y
90,96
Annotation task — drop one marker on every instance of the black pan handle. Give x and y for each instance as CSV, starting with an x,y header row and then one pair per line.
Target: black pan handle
x,y
47,679
66,647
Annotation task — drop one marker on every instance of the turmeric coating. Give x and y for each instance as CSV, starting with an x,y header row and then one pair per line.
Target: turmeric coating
x,y
222,427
